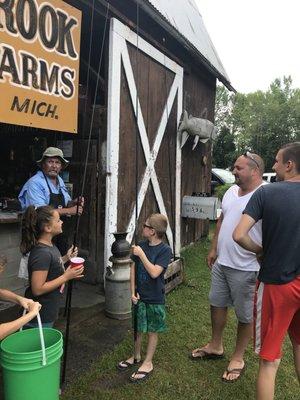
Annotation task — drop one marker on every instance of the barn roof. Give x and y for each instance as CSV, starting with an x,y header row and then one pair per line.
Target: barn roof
x,y
184,21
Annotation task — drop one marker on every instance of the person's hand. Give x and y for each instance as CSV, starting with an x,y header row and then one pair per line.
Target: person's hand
x,y
79,200
25,303
211,258
34,308
73,210
74,272
72,252
260,256
137,251
135,298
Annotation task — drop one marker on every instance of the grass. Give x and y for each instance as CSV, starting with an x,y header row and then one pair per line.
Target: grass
x,y
175,376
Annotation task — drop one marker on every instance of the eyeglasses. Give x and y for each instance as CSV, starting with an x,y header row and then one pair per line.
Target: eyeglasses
x,y
249,155
148,226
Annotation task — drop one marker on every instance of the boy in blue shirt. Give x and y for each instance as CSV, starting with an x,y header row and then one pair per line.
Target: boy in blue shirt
x,y
151,259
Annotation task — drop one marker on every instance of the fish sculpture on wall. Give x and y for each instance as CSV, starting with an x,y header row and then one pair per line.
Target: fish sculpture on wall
x,y
202,129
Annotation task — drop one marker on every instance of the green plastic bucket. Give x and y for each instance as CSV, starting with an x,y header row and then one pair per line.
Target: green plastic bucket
x,y
22,357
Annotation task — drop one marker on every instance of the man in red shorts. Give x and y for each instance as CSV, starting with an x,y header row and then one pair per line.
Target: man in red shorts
x,y
277,304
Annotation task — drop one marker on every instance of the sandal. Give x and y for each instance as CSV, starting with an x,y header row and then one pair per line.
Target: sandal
x,y
145,376
237,371
205,355
126,365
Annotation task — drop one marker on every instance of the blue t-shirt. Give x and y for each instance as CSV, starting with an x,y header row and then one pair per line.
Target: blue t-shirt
x,y
35,192
152,290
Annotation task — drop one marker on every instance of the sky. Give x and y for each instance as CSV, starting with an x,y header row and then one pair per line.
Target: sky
x,y
256,40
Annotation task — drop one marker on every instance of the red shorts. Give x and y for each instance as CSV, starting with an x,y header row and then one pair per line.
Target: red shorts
x,y
276,312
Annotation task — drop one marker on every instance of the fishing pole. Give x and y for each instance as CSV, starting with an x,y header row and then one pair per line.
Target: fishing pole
x,y
70,285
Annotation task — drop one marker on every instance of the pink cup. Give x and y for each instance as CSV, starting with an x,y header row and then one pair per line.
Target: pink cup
x,y
76,261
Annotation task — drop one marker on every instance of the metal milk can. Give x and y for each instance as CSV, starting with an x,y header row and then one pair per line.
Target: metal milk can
x,y
117,286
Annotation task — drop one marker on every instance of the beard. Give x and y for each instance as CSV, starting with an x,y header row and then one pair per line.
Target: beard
x,y
52,173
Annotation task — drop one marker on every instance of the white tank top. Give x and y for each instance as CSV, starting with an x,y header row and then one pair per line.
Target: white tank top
x,y
229,252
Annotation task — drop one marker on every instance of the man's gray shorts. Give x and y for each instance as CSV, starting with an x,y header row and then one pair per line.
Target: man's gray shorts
x,y
233,288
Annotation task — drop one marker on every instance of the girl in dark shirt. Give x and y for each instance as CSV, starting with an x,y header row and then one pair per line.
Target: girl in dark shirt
x,y
47,275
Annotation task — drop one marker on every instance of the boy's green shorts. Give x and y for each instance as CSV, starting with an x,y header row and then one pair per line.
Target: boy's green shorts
x,y
150,317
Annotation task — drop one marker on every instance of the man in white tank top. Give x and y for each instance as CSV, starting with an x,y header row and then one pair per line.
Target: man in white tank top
x,y
233,269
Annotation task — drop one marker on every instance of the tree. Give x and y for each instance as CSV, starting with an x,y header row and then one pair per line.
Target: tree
x,y
261,121
223,107
224,145
224,149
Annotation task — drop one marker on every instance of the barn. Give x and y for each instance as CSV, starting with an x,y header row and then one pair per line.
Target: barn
x,y
141,64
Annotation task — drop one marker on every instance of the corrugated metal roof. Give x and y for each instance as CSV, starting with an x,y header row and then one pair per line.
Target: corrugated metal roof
x,y
184,16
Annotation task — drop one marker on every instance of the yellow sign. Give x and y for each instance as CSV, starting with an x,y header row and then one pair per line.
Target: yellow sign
x,y
39,64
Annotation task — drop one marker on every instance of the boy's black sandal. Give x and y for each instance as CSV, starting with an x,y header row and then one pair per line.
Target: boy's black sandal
x,y
126,365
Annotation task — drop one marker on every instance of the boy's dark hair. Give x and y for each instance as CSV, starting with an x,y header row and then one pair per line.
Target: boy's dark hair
x,y
33,223
291,152
159,222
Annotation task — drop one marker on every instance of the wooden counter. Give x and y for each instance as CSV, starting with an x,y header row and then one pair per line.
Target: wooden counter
x,y
9,217
10,237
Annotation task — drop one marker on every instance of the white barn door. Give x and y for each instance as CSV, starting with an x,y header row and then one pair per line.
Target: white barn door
x,y
120,35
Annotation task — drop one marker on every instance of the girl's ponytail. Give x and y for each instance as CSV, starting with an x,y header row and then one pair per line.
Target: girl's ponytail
x,y
33,222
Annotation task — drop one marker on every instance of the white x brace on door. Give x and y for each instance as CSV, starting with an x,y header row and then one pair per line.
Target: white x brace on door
x,y
118,55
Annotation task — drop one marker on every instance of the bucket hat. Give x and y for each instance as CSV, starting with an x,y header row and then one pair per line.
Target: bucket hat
x,y
53,152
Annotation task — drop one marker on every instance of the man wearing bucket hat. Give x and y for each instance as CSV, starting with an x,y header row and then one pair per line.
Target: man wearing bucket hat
x,y
46,187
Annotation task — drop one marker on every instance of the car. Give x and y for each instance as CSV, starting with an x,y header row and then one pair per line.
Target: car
x,y
269,177
220,176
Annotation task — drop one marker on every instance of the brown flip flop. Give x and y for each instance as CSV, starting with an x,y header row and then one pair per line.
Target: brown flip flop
x,y
205,355
238,371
